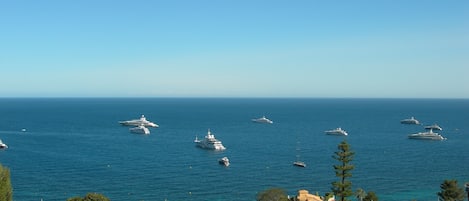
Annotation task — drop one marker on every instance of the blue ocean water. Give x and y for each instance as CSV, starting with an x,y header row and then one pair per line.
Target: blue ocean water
x,y
74,146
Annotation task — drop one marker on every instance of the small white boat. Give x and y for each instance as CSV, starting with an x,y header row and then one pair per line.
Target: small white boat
x,y
209,142
337,131
263,120
3,145
412,120
140,130
137,122
299,163
430,135
224,161
433,127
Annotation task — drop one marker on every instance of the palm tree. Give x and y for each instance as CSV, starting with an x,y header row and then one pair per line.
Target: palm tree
x,y
360,193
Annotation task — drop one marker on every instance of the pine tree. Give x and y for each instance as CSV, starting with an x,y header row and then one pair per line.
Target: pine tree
x,y
450,191
6,192
343,187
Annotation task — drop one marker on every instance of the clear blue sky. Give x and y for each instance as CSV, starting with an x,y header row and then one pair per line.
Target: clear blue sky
x,y
234,48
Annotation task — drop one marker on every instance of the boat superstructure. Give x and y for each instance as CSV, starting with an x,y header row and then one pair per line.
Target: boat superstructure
x,y
137,122
224,161
412,120
337,131
429,135
263,120
434,127
209,142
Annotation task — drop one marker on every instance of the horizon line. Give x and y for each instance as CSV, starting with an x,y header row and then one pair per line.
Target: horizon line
x,y
222,97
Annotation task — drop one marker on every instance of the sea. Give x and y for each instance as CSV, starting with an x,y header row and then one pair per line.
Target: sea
x,y
72,146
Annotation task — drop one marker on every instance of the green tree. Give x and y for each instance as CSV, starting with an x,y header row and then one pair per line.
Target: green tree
x,y
328,195
273,194
450,191
6,191
343,187
90,197
360,193
370,196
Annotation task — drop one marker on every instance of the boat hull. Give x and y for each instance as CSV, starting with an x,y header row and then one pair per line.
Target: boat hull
x,y
438,138
299,164
210,146
139,130
336,133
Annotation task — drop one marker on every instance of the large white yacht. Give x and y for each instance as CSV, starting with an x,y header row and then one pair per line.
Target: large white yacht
x,y
434,127
337,131
412,120
263,119
137,122
140,130
209,142
429,135
3,145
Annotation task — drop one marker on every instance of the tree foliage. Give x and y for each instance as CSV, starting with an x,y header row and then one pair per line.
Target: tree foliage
x,y
6,191
273,194
450,191
343,187
90,197
360,193
370,196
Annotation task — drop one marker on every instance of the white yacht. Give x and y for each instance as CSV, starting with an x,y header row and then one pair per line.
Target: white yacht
x,y
209,142
137,122
434,127
224,161
412,120
140,130
263,119
429,135
337,131
3,145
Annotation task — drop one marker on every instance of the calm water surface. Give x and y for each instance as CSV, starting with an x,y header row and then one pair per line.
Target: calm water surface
x,y
75,146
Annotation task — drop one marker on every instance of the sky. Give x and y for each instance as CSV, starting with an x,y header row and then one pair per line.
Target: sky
x,y
235,48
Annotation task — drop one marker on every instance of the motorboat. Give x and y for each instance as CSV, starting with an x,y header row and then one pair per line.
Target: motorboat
x,y
224,161
429,135
209,142
412,120
3,145
299,163
140,130
137,122
434,127
337,131
263,119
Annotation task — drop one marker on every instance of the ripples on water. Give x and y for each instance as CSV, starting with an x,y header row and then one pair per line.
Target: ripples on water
x,y
75,146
